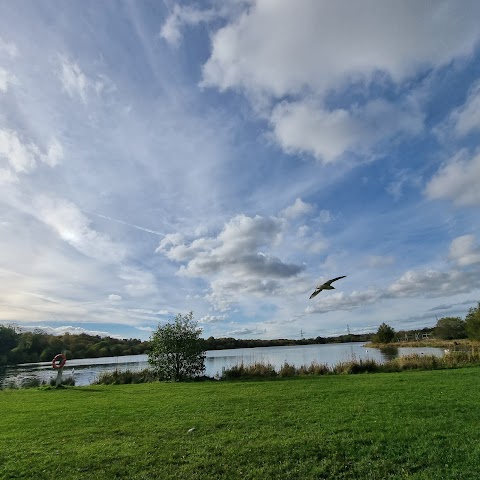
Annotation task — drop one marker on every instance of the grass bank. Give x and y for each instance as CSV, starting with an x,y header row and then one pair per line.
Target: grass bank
x,y
452,345
400,425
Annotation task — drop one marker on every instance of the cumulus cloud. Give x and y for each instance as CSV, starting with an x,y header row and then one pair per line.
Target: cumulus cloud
x,y
72,226
413,283
433,283
463,251
305,127
298,209
343,301
235,261
289,57
457,180
286,47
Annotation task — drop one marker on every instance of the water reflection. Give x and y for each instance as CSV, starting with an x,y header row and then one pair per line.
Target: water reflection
x,y
86,371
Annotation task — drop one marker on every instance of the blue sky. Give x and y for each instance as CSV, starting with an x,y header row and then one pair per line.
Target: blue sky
x,y
225,157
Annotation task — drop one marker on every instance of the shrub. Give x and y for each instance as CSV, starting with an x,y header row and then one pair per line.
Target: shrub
x,y
256,370
127,377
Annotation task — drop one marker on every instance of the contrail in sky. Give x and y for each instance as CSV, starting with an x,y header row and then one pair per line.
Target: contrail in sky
x,y
143,229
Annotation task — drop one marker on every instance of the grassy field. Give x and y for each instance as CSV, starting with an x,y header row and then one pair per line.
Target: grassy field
x,y
422,425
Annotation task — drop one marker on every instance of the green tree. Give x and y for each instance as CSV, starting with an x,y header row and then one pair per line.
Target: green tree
x,y
177,349
472,321
385,334
449,328
8,341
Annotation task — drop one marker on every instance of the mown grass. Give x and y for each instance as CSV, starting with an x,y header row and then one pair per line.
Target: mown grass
x,y
385,426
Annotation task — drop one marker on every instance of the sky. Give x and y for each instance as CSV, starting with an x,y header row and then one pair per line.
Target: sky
x,y
226,157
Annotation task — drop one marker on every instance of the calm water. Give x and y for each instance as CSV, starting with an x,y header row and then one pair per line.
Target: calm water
x,y
87,370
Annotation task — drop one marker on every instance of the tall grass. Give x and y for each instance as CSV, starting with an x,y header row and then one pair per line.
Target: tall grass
x,y
354,366
118,377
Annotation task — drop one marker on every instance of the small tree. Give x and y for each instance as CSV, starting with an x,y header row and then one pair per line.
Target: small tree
x,y
177,349
472,321
449,328
385,334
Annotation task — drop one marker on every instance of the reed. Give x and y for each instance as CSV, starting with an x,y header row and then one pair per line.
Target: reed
x,y
355,366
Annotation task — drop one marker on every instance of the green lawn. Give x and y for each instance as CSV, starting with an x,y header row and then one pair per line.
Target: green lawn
x,y
376,426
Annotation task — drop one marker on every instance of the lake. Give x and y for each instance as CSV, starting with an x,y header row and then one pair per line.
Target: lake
x,y
87,370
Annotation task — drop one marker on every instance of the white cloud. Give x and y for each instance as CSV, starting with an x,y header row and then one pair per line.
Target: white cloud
x,y
181,16
67,329
74,81
54,154
6,78
20,156
145,329
213,319
282,48
289,57
457,180
298,209
463,250
73,227
234,262
433,283
246,331
77,84
467,117
7,176
113,297
148,311
310,240
343,301
305,127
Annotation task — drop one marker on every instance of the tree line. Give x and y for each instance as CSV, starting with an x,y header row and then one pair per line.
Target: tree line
x,y
446,328
37,346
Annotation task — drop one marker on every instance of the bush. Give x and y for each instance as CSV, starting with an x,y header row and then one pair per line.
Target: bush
x,y
256,370
314,369
127,377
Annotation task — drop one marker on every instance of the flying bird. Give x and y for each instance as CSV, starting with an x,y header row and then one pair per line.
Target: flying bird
x,y
325,286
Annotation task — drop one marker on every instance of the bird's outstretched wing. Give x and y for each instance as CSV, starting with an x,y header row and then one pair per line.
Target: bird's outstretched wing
x,y
334,280
326,285
316,292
